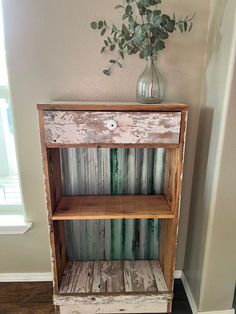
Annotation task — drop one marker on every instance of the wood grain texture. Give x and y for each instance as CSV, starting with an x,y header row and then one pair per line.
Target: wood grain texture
x,y
27,308
53,188
83,280
112,206
111,298
111,106
172,190
83,127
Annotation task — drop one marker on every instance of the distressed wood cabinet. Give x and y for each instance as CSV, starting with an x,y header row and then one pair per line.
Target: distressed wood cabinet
x,y
116,286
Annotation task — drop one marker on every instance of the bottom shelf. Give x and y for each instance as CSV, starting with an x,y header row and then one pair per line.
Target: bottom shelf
x,y
122,284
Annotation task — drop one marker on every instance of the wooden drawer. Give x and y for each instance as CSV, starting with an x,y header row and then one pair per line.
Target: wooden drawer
x,y
96,127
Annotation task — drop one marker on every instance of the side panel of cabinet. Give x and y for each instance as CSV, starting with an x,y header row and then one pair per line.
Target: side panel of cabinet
x,y
53,189
169,227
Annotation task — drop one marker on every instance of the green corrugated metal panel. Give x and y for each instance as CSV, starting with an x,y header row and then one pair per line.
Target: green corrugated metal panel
x,y
92,171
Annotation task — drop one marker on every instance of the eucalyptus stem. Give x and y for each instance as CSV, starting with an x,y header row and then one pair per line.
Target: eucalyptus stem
x,y
144,33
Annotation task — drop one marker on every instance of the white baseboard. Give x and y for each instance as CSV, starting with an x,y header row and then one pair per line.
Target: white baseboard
x,y
192,302
24,277
178,274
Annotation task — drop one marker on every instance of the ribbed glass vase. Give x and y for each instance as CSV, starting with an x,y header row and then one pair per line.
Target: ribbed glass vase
x,y
150,85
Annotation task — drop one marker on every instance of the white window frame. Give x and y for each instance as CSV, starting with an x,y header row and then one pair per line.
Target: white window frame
x,y
12,216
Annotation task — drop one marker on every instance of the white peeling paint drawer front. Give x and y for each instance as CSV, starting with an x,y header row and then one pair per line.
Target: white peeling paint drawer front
x,y
89,127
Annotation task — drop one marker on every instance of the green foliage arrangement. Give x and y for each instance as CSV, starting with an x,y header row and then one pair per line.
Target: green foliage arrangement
x,y
144,30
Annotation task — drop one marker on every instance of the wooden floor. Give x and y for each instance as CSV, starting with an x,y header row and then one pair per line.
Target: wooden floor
x,y
36,298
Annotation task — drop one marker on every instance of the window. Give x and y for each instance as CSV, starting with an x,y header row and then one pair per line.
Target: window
x,y
11,207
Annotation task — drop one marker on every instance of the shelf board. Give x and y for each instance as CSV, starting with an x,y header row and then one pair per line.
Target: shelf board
x,y
122,276
113,287
112,207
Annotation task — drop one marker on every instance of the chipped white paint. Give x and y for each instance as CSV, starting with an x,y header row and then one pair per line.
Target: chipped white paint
x,y
80,127
97,299
116,308
113,276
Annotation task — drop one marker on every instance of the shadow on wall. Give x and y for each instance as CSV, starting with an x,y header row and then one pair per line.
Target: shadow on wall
x,y
199,212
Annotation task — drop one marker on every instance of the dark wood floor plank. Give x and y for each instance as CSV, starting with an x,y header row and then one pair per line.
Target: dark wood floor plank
x,y
27,308
26,292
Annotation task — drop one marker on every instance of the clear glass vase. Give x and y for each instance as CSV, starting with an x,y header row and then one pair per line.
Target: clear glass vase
x,y
150,85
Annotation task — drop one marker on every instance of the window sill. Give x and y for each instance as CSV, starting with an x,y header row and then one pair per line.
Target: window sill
x,y
13,224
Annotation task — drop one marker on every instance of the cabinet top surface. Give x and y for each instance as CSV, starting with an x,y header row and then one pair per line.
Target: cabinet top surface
x,y
111,106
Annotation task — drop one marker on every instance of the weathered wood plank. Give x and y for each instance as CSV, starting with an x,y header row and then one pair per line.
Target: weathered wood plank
x,y
158,275
111,298
111,106
173,184
96,278
157,307
112,276
66,279
76,127
127,276
142,277
84,278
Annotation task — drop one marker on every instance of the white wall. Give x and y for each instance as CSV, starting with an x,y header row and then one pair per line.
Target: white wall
x,y
210,257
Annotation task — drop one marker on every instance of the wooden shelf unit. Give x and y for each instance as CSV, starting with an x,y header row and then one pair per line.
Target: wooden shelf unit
x,y
113,125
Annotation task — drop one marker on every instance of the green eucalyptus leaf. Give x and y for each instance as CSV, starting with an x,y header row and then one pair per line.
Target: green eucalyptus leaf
x,y
103,31
120,46
191,26
163,35
122,41
105,23
120,65
185,26
125,29
107,72
181,27
128,10
119,6
144,2
151,2
153,39
142,9
170,26
109,39
94,25
159,45
106,43
141,54
121,54
114,28
100,24
112,47
103,49
112,61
